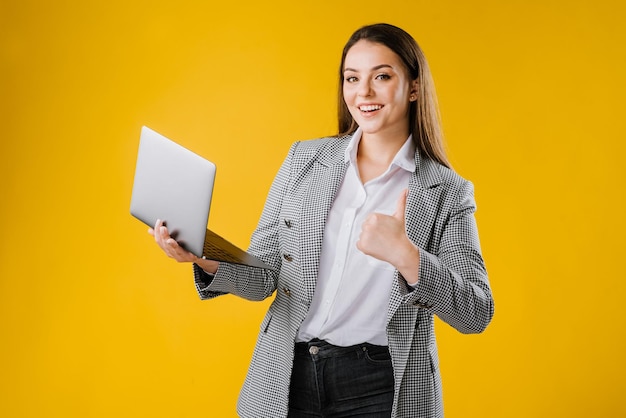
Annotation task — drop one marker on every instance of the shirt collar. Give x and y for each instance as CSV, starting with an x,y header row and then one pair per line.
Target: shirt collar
x,y
405,157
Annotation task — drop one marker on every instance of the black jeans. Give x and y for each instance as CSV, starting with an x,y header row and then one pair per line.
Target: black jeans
x,y
331,381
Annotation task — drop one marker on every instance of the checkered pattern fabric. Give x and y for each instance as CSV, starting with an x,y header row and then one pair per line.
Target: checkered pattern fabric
x,y
453,281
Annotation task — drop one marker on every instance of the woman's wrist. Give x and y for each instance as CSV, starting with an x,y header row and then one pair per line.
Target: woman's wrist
x,y
408,263
209,266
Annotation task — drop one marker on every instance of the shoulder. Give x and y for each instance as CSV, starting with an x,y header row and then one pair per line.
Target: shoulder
x,y
432,173
327,150
450,186
325,143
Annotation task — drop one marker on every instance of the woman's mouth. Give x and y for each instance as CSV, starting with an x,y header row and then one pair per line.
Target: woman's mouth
x,y
370,108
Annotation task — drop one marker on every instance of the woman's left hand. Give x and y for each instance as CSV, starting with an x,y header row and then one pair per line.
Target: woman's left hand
x,y
384,237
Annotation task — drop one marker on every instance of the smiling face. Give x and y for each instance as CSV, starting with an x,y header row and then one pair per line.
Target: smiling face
x,y
378,90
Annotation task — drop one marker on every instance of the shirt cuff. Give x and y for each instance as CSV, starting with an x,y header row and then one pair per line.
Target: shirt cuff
x,y
202,278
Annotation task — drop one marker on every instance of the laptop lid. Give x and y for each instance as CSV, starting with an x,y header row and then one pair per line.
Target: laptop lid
x,y
174,184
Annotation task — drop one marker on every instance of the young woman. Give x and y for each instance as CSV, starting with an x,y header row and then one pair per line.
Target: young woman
x,y
371,234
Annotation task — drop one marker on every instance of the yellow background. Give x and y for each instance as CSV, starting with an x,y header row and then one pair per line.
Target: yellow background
x,y
95,322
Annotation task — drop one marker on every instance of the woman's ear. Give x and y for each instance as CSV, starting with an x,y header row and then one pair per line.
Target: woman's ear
x,y
414,90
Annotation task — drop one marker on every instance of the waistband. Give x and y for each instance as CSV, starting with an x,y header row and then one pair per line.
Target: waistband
x,y
321,348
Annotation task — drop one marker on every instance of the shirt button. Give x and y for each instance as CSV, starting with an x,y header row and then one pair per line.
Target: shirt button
x,y
314,350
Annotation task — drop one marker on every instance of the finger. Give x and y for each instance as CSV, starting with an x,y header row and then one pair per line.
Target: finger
x,y
170,247
155,231
369,221
401,205
161,233
177,252
359,245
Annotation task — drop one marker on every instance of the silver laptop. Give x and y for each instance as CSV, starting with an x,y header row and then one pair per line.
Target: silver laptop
x,y
175,185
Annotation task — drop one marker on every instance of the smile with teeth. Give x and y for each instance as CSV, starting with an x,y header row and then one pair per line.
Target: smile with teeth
x,y
370,108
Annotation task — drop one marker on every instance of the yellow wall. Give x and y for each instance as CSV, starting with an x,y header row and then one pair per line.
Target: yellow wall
x,y
95,322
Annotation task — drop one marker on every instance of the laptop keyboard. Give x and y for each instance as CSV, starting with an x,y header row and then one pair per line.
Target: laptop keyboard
x,y
213,253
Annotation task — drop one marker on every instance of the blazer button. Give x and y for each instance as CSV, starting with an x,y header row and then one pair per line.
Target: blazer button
x,y
286,291
287,257
288,223
423,304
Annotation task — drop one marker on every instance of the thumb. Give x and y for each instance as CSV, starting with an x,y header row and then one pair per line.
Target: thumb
x,y
401,205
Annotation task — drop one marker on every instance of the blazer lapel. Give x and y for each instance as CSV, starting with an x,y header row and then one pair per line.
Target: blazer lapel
x,y
328,171
420,214
422,206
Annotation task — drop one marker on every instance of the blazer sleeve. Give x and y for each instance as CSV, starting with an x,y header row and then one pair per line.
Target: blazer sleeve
x,y
249,282
453,282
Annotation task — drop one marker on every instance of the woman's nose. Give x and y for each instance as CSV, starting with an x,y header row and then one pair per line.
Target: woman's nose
x,y
365,88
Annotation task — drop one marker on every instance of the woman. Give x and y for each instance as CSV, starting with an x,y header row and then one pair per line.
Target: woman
x,y
372,234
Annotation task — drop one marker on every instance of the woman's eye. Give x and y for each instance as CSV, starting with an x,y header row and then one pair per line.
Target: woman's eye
x,y
383,77
351,79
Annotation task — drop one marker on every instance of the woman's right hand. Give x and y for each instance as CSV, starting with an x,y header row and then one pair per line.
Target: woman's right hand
x,y
173,250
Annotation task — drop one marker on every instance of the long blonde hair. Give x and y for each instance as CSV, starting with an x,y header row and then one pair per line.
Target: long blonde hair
x,y
424,120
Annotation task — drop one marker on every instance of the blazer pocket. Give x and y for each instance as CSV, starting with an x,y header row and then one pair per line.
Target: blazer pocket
x,y
434,359
265,324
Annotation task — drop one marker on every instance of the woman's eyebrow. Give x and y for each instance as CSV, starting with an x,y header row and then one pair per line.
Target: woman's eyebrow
x,y
375,68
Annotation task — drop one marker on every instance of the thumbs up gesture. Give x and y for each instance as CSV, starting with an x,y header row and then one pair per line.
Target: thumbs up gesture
x,y
384,237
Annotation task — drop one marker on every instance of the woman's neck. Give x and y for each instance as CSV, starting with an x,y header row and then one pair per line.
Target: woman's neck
x,y
375,154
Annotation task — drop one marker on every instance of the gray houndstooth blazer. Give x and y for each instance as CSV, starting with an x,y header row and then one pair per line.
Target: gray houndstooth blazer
x,y
453,282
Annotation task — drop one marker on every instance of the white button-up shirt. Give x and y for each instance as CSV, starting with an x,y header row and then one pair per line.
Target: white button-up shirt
x,y
352,292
